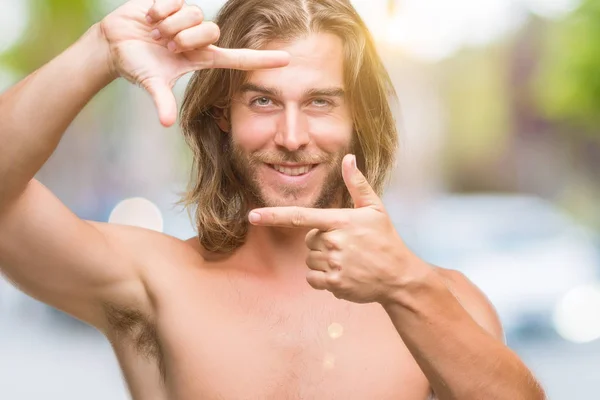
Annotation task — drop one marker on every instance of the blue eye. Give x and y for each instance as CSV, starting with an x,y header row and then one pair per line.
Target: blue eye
x,y
321,102
262,101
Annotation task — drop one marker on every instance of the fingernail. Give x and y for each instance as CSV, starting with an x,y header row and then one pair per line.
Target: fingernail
x,y
149,19
254,217
354,161
155,34
172,46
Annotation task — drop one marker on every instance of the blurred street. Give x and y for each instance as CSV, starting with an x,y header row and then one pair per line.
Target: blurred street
x,y
46,355
567,371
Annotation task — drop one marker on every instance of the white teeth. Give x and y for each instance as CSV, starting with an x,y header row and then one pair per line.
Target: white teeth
x,y
292,171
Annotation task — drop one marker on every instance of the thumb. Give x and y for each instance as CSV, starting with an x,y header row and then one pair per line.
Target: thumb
x,y
163,97
360,190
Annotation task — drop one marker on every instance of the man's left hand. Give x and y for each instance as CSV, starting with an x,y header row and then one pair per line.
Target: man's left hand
x,y
356,253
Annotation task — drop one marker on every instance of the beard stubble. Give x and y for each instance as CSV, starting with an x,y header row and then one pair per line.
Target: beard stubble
x,y
245,167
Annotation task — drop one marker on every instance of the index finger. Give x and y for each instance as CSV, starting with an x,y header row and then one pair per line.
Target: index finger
x,y
298,217
247,59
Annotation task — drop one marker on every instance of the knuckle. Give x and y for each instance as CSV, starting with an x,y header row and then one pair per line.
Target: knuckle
x,y
182,39
196,13
334,264
311,237
380,218
330,242
313,281
159,12
240,61
213,32
239,64
162,10
297,218
165,29
313,258
360,179
145,84
334,281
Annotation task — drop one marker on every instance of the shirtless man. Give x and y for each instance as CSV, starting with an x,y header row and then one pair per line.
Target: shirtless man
x,y
304,141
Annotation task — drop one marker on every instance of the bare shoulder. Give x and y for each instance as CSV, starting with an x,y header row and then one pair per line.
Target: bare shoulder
x,y
154,255
473,300
150,247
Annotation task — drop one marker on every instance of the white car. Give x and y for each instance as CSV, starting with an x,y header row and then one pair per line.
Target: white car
x,y
523,252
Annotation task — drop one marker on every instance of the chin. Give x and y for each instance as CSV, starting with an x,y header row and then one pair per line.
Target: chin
x,y
301,198
283,200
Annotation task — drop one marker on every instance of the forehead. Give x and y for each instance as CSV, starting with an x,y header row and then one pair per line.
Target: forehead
x,y
317,60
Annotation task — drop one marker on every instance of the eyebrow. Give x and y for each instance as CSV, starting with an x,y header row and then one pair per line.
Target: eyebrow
x,y
251,87
326,92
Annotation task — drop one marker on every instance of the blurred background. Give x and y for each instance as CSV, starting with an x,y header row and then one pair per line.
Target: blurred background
x,y
498,174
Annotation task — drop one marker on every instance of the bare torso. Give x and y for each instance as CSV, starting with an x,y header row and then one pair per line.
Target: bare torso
x,y
216,332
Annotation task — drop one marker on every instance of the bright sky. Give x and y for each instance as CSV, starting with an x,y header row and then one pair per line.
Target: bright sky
x,y
426,29
434,29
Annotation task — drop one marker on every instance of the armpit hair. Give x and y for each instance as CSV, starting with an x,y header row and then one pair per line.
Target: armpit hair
x,y
133,326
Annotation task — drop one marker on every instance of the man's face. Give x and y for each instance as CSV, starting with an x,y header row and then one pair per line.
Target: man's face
x,y
291,127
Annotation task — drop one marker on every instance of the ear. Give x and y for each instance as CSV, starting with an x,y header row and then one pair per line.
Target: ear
x,y
222,119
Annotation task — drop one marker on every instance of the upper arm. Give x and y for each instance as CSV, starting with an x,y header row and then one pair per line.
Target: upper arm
x,y
71,264
474,301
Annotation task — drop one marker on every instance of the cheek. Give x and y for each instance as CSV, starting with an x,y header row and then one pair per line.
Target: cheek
x,y
331,132
250,130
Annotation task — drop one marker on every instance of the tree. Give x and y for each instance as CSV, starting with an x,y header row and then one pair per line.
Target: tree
x,y
53,26
568,87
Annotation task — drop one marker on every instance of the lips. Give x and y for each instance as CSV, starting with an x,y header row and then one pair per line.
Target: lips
x,y
292,170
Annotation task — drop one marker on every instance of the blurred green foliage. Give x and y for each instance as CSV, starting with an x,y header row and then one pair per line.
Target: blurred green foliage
x,y
53,25
478,108
568,84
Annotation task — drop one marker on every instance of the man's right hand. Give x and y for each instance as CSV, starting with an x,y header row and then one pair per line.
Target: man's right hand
x,y
154,43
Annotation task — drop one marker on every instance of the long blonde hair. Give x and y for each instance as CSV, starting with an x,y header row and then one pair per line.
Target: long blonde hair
x,y
220,199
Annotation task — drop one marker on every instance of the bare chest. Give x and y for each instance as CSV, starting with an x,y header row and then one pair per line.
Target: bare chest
x,y
239,344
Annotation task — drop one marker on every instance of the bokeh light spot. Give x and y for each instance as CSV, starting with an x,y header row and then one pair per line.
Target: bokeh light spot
x,y
139,212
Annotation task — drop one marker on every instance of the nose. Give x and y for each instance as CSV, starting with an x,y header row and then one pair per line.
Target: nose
x,y
292,130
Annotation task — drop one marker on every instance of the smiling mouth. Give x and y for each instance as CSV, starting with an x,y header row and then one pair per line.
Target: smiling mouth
x,y
293,171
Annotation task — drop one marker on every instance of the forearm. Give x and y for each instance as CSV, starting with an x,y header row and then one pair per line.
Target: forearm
x,y
460,359
35,112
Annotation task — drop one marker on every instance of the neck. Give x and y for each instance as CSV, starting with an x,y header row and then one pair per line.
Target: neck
x,y
277,252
